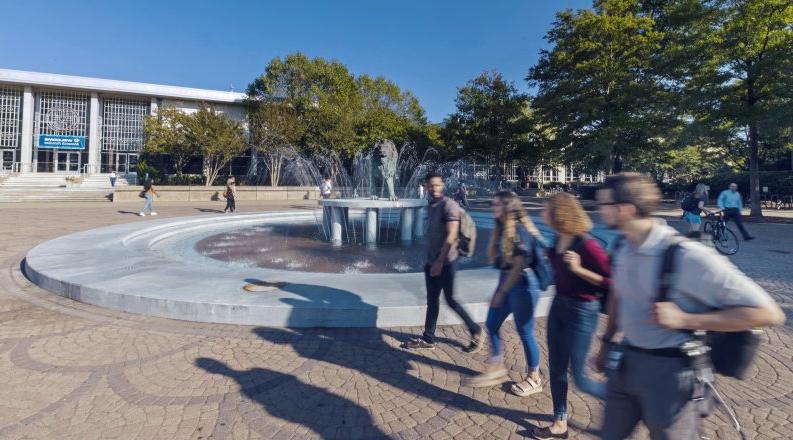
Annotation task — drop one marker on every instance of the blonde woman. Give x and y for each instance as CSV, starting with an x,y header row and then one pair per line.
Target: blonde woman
x,y
511,249
583,275
694,205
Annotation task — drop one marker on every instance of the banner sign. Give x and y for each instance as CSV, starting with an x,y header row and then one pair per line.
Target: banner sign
x,y
61,142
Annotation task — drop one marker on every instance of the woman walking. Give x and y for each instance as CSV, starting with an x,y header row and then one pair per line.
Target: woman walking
x,y
582,272
148,193
511,249
231,195
694,205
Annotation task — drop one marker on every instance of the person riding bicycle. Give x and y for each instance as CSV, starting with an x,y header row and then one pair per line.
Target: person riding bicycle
x,y
693,205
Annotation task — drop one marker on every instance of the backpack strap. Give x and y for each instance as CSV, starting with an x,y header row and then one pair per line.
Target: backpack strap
x,y
666,277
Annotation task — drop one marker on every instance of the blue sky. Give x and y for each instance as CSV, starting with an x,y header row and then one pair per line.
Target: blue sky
x,y
430,47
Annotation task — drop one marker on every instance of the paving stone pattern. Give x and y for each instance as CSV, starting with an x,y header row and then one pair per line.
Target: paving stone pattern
x,y
72,371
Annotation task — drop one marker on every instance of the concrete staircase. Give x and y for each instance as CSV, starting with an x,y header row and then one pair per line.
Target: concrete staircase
x,y
53,187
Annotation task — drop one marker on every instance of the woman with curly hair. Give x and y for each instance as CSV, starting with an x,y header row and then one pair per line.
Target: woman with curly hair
x,y
511,249
582,272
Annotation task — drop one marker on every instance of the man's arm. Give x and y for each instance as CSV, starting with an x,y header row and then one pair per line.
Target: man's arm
x,y
735,319
720,200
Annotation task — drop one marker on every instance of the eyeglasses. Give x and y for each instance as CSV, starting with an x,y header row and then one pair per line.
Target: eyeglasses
x,y
607,203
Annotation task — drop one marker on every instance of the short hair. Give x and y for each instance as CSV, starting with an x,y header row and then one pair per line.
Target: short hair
x,y
635,189
432,175
567,216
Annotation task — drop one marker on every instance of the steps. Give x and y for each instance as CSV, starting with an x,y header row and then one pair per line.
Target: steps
x,y
53,187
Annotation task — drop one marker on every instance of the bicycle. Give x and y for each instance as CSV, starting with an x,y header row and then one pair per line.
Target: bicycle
x,y
724,240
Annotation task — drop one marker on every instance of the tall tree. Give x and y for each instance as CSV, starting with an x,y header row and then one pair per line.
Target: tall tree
x,y
741,86
491,119
596,88
276,130
218,138
165,133
388,112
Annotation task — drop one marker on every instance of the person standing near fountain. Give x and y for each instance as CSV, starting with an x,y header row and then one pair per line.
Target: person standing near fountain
x,y
326,188
439,271
231,195
514,248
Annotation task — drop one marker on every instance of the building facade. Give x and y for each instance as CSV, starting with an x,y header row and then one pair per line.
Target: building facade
x,y
53,123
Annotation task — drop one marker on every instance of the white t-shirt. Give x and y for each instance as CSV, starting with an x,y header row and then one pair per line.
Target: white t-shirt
x,y
325,187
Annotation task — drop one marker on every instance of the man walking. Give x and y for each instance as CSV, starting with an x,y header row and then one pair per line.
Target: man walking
x,y
649,378
731,202
440,266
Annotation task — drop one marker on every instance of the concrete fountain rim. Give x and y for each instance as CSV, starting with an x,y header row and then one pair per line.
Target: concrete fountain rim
x,y
126,267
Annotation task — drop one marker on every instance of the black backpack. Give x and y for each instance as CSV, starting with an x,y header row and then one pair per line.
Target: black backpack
x,y
731,353
689,203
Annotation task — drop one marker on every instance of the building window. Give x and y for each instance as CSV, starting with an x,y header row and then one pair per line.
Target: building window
x,y
550,174
62,113
122,123
10,111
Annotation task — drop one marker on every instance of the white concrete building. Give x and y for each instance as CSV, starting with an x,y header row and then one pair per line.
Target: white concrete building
x,y
53,123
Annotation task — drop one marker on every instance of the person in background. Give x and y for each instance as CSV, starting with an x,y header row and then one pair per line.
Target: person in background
x,y
326,188
113,178
420,190
149,192
731,202
650,378
231,195
443,228
512,251
582,272
460,196
697,202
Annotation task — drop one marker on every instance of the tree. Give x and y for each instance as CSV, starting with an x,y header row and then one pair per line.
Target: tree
x,y
491,119
741,87
218,138
596,89
165,133
276,130
388,112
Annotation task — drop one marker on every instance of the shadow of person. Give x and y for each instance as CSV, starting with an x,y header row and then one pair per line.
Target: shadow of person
x,y
215,211
367,352
285,397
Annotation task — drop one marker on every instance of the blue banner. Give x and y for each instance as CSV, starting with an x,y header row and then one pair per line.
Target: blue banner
x,y
61,142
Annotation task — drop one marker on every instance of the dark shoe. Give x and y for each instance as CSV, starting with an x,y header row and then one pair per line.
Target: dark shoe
x,y
418,344
748,238
477,341
545,433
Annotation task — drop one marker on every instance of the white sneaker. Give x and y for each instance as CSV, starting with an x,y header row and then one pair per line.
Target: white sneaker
x,y
153,213
142,214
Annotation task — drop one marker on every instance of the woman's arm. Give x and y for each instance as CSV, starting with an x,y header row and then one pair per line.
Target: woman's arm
x,y
518,263
596,258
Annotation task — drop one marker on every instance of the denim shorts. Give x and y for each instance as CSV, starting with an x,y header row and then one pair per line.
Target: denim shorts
x,y
692,218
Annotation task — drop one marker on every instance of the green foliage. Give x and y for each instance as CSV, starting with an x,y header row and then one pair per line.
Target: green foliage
x,y
778,182
276,130
338,111
491,121
165,133
596,87
217,138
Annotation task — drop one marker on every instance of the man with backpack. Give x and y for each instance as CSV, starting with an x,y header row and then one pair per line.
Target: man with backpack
x,y
443,232
653,374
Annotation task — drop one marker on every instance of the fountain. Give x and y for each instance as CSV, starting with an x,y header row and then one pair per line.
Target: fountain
x,y
374,169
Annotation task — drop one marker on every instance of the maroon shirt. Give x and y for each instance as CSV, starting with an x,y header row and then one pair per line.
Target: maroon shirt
x,y
594,258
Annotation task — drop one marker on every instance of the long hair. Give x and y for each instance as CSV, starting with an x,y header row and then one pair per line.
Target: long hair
x,y
701,190
505,232
567,216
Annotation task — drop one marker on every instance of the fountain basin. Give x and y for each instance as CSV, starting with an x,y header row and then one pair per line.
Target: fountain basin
x,y
335,217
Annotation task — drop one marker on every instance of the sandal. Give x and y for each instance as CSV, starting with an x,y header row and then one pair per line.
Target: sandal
x,y
526,387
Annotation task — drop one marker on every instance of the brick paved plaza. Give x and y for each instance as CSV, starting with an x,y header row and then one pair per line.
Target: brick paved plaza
x,y
72,371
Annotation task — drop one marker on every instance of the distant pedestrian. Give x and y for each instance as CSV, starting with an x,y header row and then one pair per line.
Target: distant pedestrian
x,y
231,195
582,272
420,190
326,188
460,196
113,178
693,205
149,192
440,266
731,202
513,249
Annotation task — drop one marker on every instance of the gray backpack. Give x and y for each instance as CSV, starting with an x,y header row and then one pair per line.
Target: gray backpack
x,y
466,242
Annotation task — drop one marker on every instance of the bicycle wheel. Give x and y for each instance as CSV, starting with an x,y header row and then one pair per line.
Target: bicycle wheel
x,y
726,242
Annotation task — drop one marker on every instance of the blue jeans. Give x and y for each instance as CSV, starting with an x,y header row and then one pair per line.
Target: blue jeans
x,y
571,324
521,301
149,202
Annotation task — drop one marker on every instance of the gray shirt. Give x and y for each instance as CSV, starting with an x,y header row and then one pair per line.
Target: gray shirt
x,y
703,280
438,214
